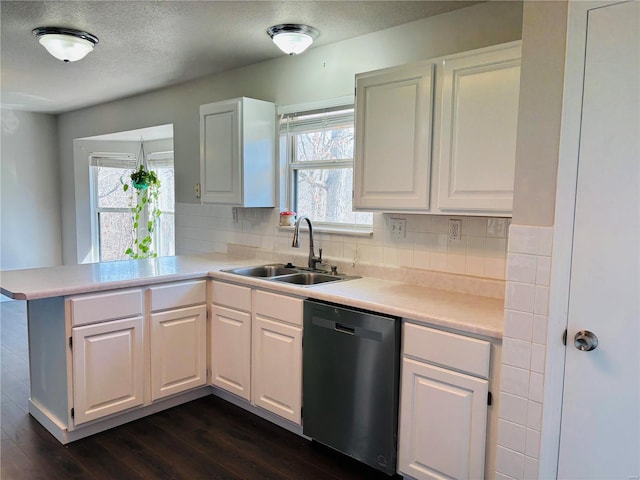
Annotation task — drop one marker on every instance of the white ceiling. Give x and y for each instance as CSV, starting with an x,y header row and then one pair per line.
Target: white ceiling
x,y
145,45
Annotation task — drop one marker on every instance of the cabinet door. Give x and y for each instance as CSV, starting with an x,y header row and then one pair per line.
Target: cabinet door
x,y
108,366
478,129
393,138
231,350
178,350
442,423
277,367
220,174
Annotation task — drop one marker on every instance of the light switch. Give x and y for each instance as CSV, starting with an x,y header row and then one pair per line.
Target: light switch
x,y
398,227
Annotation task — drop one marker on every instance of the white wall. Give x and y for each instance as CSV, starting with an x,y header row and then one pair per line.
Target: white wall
x,y
30,234
321,73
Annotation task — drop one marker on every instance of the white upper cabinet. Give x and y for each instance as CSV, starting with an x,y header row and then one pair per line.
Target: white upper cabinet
x,y
237,153
393,138
478,125
463,110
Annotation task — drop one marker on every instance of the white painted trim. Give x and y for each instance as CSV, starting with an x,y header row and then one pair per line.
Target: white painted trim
x,y
563,234
318,104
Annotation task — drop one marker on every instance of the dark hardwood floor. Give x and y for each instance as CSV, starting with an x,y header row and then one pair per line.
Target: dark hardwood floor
x,y
204,439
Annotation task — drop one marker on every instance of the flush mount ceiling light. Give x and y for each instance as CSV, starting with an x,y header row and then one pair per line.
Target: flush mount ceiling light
x,y
293,38
65,44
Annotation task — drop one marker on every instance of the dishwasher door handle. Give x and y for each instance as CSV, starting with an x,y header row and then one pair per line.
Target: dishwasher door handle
x,y
344,329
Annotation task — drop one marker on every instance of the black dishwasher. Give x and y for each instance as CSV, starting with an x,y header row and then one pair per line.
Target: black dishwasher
x,y
351,369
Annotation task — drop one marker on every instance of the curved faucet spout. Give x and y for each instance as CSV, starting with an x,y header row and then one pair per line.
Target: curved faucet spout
x,y
313,260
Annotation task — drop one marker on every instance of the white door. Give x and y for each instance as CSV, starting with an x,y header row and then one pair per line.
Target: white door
x,y
277,367
108,368
178,350
600,430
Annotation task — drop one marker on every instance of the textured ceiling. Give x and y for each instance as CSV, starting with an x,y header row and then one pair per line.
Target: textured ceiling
x,y
145,45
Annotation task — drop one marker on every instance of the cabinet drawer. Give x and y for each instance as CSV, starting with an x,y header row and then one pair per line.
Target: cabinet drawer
x,y
176,295
279,307
447,349
233,296
87,309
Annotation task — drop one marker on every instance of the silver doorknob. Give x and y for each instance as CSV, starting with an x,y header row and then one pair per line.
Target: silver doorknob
x,y
585,341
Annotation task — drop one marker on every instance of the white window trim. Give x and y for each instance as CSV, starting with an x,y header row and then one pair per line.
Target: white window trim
x,y
287,178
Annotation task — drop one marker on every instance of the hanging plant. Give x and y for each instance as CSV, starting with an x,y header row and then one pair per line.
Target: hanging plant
x,y
144,209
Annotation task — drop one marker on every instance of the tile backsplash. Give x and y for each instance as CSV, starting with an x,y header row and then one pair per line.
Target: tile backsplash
x,y
425,244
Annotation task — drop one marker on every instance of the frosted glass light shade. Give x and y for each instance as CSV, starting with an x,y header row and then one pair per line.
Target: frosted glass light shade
x,y
292,43
292,39
65,44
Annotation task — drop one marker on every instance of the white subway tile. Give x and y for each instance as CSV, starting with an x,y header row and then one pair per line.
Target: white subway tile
x,y
512,436
498,227
545,241
540,323
438,261
519,296
516,353
496,248
533,443
510,462
455,263
530,468
518,324
521,268
439,242
421,241
421,259
514,380
390,255
476,226
537,358
534,415
541,306
405,257
536,386
523,239
543,271
513,408
476,246
458,247
474,266
495,267
439,224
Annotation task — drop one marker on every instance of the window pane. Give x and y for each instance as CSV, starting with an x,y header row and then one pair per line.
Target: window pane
x,y
115,235
166,199
166,242
324,195
330,144
109,187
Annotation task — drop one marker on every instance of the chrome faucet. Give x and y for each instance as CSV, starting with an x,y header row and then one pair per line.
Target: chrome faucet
x,y
313,260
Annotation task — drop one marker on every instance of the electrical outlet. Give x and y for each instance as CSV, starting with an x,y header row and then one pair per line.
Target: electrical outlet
x,y
455,230
197,190
398,227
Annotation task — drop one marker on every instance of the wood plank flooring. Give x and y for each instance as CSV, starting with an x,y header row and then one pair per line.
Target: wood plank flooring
x,y
204,439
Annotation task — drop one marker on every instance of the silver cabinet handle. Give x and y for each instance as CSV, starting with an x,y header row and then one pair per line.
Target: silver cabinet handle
x,y
585,341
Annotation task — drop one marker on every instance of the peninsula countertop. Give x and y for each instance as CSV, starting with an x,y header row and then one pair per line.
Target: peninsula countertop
x,y
458,311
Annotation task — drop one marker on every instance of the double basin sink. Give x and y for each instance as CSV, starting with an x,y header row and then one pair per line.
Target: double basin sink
x,y
290,274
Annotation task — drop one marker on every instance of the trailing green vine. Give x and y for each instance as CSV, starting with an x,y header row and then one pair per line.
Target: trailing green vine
x,y
144,199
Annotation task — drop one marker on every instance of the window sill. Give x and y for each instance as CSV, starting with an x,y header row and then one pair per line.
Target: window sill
x,y
347,231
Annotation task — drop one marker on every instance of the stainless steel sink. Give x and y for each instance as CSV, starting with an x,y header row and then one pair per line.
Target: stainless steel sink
x,y
309,278
289,274
263,271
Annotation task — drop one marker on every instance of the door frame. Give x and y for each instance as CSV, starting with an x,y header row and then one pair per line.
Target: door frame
x,y
563,232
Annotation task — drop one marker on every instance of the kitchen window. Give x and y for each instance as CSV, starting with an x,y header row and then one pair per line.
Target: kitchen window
x,y
316,153
112,221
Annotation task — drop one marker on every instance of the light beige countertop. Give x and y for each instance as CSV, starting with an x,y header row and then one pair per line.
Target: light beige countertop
x,y
458,311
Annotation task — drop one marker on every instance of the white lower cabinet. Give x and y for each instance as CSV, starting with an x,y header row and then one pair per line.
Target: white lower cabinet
x,y
108,368
277,355
178,337
231,338
443,412
178,350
